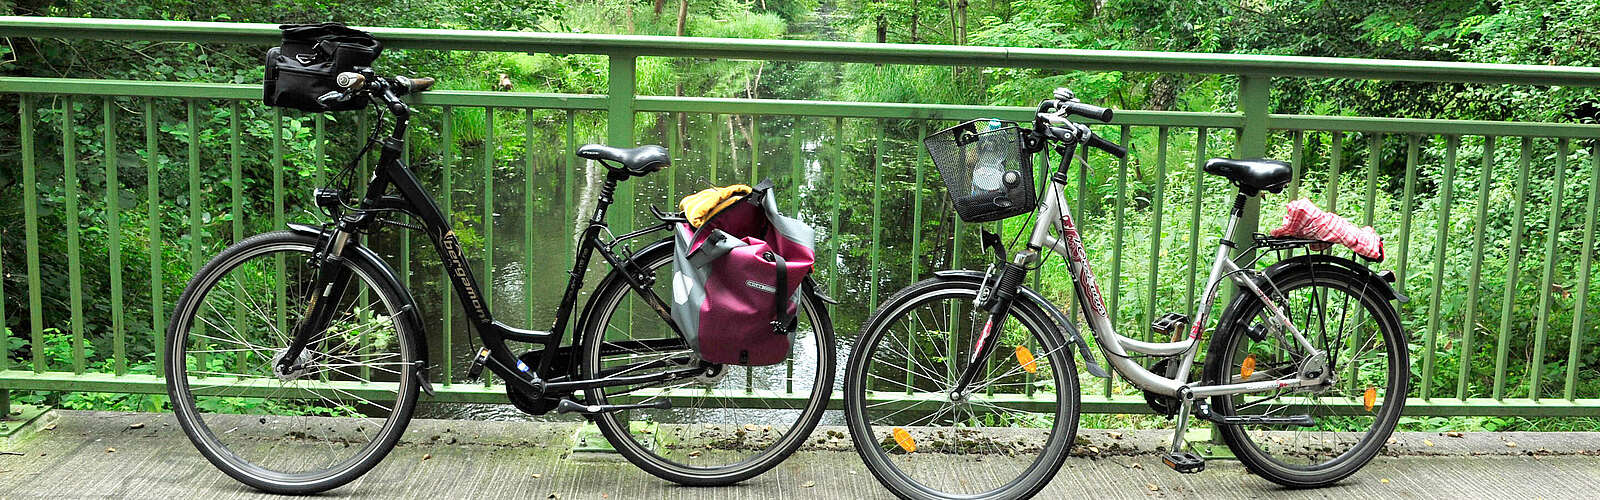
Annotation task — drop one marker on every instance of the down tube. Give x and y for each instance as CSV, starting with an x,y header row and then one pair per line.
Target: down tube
x,y
1070,246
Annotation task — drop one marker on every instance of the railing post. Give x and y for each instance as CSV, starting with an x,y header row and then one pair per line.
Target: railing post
x,y
620,89
1255,92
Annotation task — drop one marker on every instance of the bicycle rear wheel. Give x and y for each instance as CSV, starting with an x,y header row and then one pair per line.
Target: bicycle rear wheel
x,y
721,429
314,429
1347,316
1005,439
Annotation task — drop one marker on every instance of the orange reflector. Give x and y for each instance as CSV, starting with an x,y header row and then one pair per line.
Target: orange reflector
x,y
903,438
1370,397
1025,358
1248,367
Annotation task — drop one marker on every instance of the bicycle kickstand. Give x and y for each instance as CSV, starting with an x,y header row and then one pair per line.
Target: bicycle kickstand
x,y
1183,461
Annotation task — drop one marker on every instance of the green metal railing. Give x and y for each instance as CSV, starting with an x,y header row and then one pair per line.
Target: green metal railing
x,y
1172,144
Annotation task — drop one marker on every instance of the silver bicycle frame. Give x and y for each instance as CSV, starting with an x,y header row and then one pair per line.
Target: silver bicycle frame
x,y
1069,245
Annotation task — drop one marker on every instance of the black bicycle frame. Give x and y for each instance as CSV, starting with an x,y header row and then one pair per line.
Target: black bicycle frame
x,y
413,200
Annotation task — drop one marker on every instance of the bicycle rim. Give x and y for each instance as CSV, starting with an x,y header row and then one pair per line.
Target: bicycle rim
x,y
722,428
1007,437
338,414
1360,405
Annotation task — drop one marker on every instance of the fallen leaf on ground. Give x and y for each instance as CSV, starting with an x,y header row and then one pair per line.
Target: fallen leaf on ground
x,y
1511,444
136,425
1455,434
1137,466
427,456
1427,443
537,476
808,484
693,454
111,450
553,496
1152,486
1384,480
1114,435
50,427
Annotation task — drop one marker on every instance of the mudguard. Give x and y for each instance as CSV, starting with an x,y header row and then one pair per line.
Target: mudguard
x,y
1380,281
1383,281
409,312
1065,324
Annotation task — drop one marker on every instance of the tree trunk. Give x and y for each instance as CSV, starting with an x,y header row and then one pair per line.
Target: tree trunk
x,y
660,4
883,24
955,34
683,16
962,9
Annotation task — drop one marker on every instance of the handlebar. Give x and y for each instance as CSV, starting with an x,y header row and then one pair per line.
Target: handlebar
x,y
1051,122
353,83
1087,110
1104,145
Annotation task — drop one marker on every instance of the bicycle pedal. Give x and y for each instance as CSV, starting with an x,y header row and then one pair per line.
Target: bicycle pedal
x,y
570,406
1168,323
476,368
1184,462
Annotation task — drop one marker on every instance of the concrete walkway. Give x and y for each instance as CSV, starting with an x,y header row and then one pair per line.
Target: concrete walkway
x,y
141,455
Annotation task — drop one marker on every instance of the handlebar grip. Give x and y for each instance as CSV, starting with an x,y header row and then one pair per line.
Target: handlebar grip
x,y
421,84
350,80
1088,111
1107,146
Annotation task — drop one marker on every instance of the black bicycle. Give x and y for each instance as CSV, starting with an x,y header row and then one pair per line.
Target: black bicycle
x,y
295,358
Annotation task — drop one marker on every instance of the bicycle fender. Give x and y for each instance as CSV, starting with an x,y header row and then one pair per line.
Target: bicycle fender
x,y
1380,281
1070,331
1383,281
408,310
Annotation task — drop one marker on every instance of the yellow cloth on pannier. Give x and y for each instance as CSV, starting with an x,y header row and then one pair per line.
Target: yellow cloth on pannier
x,y
701,206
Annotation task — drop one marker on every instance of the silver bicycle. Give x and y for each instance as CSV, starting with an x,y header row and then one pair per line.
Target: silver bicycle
x,y
1305,375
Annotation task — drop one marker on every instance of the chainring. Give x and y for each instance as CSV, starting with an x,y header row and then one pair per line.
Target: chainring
x,y
1162,404
542,405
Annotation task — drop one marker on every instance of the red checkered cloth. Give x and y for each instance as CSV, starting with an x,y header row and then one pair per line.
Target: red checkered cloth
x,y
1305,220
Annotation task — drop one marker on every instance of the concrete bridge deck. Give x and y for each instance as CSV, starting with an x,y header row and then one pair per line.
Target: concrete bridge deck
x,y
141,455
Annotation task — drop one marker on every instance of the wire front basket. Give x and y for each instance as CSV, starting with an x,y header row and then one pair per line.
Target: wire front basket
x,y
988,174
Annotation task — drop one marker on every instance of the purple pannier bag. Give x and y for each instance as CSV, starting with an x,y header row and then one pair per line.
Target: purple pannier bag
x,y
735,277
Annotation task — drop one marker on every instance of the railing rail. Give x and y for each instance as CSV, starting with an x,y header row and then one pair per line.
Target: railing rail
x,y
805,50
1253,129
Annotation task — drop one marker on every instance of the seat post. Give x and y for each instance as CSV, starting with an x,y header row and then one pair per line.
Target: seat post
x,y
1234,214
608,191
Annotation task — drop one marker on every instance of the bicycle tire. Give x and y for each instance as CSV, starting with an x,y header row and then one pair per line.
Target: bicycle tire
x,y
229,460
1222,359
1063,432
607,300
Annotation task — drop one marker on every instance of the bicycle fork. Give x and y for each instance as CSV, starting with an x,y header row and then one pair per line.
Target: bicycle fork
x,y
323,303
997,302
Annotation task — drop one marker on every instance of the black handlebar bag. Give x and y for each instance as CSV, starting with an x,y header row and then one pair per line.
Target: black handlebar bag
x,y
304,66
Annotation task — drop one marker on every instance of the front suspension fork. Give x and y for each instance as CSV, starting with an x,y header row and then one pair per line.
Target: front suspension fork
x,y
326,294
997,302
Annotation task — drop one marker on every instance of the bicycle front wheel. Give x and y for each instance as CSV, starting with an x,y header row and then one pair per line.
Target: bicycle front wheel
x,y
316,428
722,428
1342,314
1004,439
